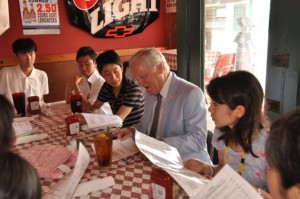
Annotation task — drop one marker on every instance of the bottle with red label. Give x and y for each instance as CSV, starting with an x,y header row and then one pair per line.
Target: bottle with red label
x,y
162,185
73,124
34,105
76,103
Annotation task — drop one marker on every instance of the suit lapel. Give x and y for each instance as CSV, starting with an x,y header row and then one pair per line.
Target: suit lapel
x,y
172,93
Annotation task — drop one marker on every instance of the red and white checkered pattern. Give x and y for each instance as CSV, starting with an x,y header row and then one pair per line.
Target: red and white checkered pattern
x,y
211,58
171,57
131,175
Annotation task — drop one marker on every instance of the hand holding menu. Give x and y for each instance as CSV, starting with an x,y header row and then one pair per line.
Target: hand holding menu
x,y
226,184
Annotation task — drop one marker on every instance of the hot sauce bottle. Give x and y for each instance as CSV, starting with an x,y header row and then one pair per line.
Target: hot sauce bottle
x,y
162,184
76,103
73,125
34,105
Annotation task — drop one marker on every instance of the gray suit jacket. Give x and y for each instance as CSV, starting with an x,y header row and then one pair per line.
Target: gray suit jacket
x,y
183,123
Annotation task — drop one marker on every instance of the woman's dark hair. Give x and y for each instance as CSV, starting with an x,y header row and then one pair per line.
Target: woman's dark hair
x,y
283,148
7,133
24,45
18,178
108,57
86,50
240,88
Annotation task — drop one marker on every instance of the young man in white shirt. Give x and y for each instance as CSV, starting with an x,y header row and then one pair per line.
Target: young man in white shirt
x,y
89,82
24,77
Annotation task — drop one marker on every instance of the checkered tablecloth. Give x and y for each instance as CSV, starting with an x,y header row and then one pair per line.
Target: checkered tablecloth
x,y
171,57
131,175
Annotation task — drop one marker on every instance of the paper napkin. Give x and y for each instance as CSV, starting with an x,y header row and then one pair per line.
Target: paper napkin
x,y
31,138
94,185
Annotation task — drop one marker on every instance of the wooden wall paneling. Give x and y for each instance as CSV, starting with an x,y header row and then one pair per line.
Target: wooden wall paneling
x,y
171,30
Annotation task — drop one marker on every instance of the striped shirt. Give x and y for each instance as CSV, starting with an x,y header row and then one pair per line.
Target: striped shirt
x,y
130,95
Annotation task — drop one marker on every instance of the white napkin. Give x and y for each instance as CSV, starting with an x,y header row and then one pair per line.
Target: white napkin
x,y
85,188
46,109
31,138
23,128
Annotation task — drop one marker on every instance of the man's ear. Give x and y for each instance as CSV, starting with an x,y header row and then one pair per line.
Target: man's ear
x,y
160,68
240,111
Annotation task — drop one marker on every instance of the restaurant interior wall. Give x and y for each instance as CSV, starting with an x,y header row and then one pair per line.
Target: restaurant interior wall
x,y
56,46
71,37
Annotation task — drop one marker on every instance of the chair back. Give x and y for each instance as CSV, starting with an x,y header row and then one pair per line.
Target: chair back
x,y
224,65
212,151
208,142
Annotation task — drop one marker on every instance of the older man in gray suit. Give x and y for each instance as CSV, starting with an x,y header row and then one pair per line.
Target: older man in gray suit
x,y
182,113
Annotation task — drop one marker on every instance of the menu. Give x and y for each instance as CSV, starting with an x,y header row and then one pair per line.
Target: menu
x,y
101,121
226,184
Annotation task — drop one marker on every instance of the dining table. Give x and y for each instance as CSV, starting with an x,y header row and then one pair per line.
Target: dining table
x,y
131,174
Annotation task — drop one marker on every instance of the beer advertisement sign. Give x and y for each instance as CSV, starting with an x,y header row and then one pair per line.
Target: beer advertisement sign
x,y
39,17
113,18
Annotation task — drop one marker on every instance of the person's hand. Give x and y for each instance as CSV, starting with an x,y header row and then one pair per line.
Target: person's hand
x,y
199,167
125,133
262,192
77,80
81,118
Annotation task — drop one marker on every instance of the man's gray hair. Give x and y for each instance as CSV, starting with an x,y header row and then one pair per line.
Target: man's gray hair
x,y
152,56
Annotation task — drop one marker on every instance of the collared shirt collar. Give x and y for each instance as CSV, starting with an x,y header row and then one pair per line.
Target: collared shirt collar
x,y
94,77
32,74
165,89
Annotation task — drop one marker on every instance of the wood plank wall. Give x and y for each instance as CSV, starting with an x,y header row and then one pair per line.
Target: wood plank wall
x,y
171,30
61,68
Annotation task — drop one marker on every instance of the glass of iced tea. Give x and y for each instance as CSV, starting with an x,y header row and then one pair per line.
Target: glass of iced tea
x,y
103,148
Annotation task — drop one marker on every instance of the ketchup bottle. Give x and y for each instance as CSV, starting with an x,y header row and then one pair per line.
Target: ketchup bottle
x,y
162,184
73,125
76,103
34,105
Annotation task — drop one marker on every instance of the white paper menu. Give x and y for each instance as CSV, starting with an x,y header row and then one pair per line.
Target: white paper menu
x,y
66,188
226,184
97,121
168,158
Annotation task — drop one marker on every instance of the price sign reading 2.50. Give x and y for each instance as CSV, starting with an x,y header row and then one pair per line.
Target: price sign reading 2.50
x,y
46,7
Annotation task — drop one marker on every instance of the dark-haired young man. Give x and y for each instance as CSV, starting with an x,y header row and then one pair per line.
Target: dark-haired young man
x,y
89,82
24,77
124,96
